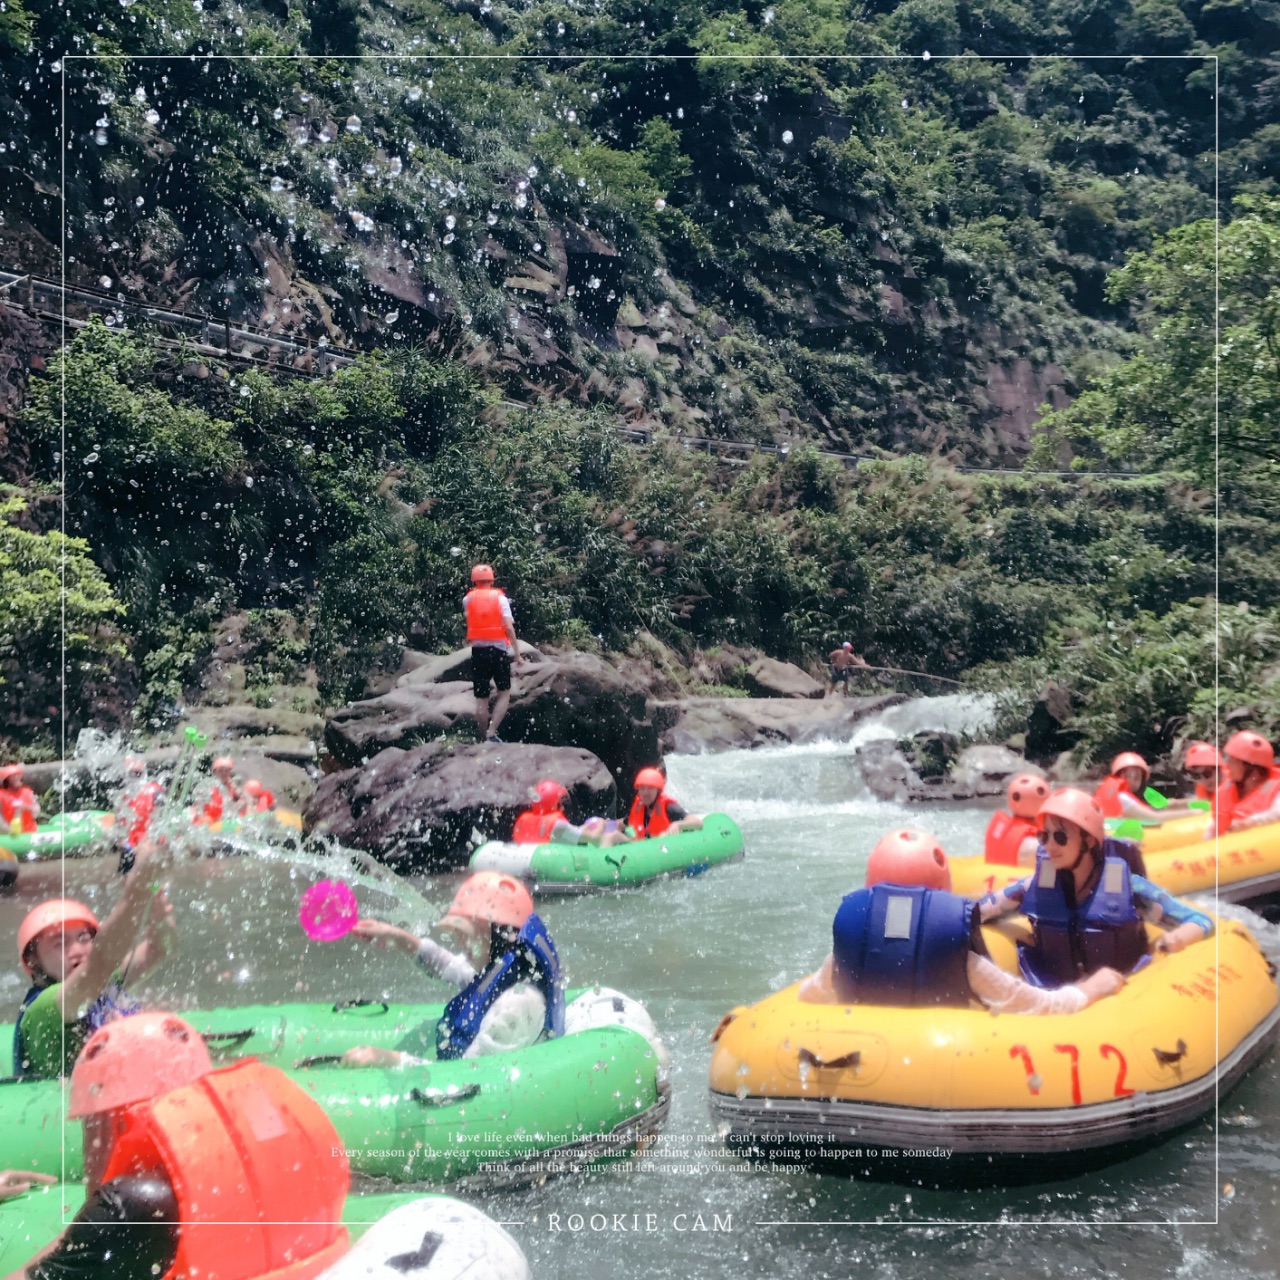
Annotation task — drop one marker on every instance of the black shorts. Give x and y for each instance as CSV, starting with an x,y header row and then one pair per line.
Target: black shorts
x,y
488,662
839,674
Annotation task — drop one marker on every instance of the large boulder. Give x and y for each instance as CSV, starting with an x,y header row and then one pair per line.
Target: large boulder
x,y
569,699
696,725
978,772
417,809
769,678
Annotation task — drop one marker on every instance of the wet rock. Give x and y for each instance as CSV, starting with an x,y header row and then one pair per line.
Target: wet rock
x,y
417,809
696,725
769,678
977,772
566,699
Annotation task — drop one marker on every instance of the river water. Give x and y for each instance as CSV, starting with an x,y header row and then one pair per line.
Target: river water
x,y
1202,1204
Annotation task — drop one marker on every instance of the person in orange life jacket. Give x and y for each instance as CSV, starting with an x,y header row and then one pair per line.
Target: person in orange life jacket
x,y
235,1172
491,633
223,794
1085,904
1205,767
537,823
1251,795
19,808
1117,793
138,802
1011,837
653,812
257,799
512,987
906,939
75,966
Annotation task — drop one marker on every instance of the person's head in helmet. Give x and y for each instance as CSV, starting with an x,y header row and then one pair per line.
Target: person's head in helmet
x,y
1135,771
1250,759
128,1061
548,796
1071,830
482,575
11,776
649,784
55,939
488,911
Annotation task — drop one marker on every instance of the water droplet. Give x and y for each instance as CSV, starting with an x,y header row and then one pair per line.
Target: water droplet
x,y
278,113
582,182
788,137
198,5
140,94
450,222
769,15
521,200
414,93
326,135
100,137
396,165
90,458
353,124
926,55
277,184
104,282
740,1092
659,204
392,317
492,220
152,116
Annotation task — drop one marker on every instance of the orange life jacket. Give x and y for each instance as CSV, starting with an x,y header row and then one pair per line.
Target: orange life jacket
x,y
1005,834
261,803
483,607
257,1168
1228,804
1108,794
142,804
19,804
535,828
659,820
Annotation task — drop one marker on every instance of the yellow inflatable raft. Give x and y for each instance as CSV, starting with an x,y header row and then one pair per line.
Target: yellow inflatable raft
x,y
863,1088
1239,867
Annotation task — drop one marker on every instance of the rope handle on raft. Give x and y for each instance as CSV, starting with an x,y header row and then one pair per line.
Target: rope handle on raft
x,y
439,1098
811,1059
227,1039
318,1060
1166,1057
362,1002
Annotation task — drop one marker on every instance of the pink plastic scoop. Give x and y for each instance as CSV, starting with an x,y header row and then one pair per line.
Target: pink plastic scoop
x,y
328,911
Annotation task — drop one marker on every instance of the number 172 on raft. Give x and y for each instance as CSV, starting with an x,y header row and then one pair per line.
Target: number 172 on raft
x,y
1072,1053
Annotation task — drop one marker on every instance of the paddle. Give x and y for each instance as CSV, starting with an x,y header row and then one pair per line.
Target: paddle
x,y
328,911
1203,805
1129,829
1155,799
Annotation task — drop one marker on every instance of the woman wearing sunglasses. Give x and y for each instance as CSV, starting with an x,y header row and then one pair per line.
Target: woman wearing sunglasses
x,y
1205,768
1085,904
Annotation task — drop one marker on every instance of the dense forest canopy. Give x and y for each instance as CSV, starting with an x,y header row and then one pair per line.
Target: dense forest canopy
x,y
643,212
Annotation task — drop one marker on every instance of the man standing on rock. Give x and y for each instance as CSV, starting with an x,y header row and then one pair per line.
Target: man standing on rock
x,y
491,633
843,662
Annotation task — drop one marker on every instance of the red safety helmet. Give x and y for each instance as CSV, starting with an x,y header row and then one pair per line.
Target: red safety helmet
x,y
1250,748
1027,793
1074,806
10,771
1130,760
482,573
650,777
489,897
254,788
133,1059
1202,755
54,914
909,857
221,763
547,795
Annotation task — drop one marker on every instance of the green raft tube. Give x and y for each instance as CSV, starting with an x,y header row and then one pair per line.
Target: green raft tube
x,y
506,1119
580,868
62,832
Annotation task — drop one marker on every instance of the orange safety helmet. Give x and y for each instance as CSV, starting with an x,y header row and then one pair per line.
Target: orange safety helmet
x,y
1202,755
547,795
221,763
489,897
909,857
1075,806
54,914
1250,748
1130,760
482,573
1027,793
134,1059
254,788
650,777
10,771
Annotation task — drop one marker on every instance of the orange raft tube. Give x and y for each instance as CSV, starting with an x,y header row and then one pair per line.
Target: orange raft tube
x,y
1238,867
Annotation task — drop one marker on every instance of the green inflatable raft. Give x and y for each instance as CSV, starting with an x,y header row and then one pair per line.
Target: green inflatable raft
x,y
62,832
580,868
500,1120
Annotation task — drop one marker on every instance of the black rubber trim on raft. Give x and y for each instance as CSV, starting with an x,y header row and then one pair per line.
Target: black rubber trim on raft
x,y
624,1138
361,1002
553,888
839,1124
1243,890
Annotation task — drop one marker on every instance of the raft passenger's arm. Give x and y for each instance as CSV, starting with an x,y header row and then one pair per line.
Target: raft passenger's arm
x,y
1183,922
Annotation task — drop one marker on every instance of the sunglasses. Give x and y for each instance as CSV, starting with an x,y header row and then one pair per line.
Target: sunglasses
x,y
1058,835
1205,771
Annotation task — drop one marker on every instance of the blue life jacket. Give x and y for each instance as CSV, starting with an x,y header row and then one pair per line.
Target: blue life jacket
x,y
898,945
112,1003
532,958
1071,943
